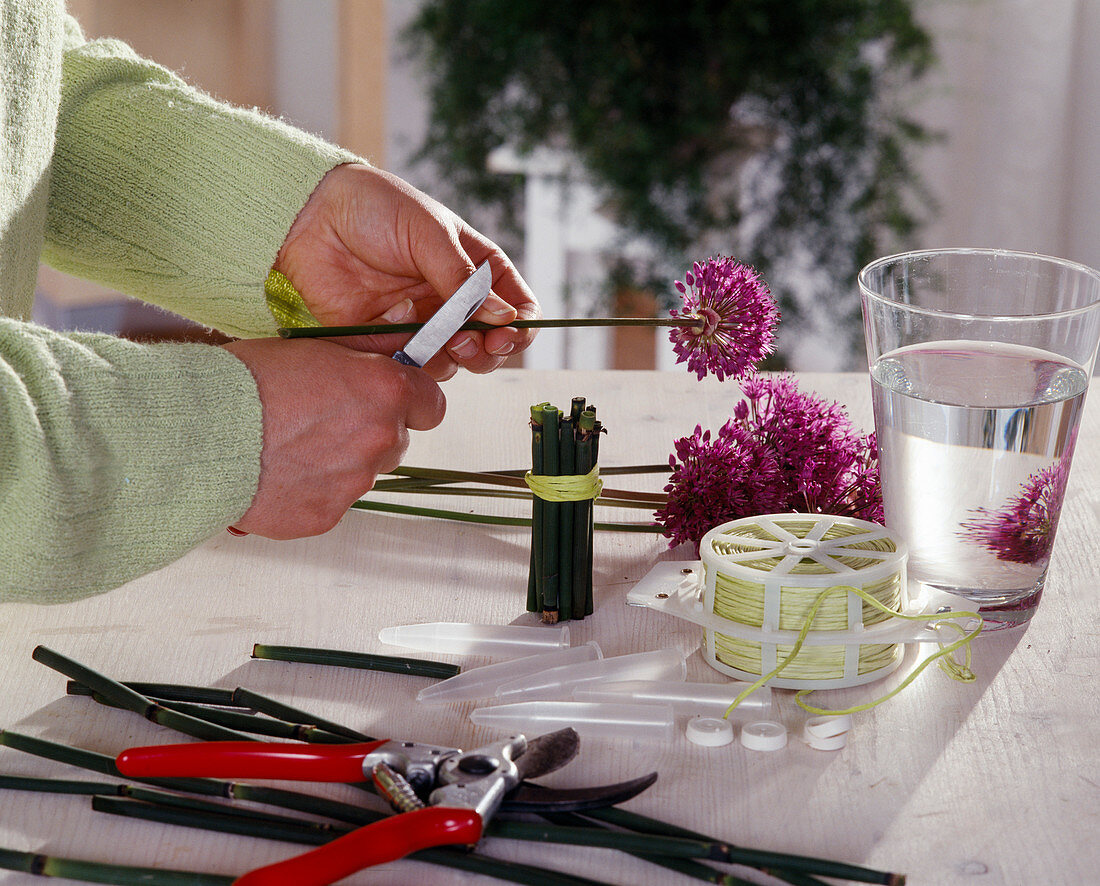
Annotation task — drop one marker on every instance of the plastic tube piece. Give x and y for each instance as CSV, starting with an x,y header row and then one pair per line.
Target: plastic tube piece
x,y
704,699
483,682
561,682
468,639
650,722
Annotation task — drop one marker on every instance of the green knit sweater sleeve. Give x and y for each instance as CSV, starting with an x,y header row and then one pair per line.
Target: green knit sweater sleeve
x,y
117,457
163,193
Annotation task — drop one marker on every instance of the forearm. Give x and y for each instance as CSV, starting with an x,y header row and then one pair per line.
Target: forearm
x,y
116,458
162,192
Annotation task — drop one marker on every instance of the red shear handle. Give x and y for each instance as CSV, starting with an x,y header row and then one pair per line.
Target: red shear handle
x,y
248,759
386,840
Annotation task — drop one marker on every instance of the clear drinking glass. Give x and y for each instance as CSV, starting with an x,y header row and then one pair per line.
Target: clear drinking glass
x,y
980,360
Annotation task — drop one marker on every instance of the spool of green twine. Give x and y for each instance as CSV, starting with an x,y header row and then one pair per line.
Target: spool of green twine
x,y
778,572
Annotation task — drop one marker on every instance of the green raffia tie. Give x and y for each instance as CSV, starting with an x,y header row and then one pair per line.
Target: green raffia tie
x,y
573,487
285,303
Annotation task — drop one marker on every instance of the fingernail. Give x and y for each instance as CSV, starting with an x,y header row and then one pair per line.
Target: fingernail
x,y
399,311
504,349
494,304
465,348
233,530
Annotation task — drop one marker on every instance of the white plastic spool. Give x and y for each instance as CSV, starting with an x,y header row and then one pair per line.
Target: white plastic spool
x,y
734,549
680,589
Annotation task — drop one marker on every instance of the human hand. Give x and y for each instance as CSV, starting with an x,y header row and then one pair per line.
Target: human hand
x,y
333,419
370,248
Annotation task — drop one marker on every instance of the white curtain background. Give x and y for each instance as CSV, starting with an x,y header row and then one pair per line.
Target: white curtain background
x,y
1015,95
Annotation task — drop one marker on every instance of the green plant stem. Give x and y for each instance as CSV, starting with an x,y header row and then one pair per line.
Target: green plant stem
x,y
127,698
281,711
688,868
99,872
545,323
566,463
104,765
56,785
645,825
246,723
391,664
440,476
620,498
583,516
489,519
551,542
205,695
538,506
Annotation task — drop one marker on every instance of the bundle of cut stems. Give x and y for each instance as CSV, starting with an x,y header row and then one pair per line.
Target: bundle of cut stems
x,y
559,584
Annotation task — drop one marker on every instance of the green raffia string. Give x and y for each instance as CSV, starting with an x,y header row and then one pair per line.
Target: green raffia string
x,y
575,487
286,304
956,670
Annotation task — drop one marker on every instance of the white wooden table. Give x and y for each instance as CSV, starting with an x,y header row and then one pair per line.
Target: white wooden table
x,y
996,782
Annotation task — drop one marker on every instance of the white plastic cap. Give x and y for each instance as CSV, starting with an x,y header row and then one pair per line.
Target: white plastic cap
x,y
764,735
827,733
710,732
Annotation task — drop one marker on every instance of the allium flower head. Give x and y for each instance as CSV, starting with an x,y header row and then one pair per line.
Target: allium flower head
x,y
782,450
739,319
1023,530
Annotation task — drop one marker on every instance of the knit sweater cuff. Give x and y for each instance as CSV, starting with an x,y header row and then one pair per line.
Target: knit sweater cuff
x,y
163,193
123,457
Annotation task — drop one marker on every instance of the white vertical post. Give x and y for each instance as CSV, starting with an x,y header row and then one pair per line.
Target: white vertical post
x,y
544,264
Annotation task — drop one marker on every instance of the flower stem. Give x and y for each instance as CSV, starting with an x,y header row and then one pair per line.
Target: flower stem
x,y
545,323
127,698
98,872
490,519
393,664
206,695
687,867
424,479
281,711
242,722
567,448
551,540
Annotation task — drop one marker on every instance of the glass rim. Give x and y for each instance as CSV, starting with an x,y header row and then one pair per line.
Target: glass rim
x,y
897,257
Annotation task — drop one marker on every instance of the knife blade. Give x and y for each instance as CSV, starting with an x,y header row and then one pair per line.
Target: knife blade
x,y
448,319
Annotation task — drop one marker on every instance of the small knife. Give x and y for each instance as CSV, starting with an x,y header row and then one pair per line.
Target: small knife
x,y
448,319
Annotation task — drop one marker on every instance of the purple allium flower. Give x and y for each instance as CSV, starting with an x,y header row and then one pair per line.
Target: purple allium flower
x,y
1023,530
782,450
739,319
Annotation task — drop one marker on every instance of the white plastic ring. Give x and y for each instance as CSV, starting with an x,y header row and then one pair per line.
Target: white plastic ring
x,y
764,735
710,732
828,725
827,733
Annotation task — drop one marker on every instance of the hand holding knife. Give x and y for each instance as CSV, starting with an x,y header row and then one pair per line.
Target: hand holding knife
x,y
445,322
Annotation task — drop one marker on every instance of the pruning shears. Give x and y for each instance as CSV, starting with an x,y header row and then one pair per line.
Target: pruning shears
x,y
444,796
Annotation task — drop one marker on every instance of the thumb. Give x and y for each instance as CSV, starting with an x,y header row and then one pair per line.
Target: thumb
x,y
425,404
